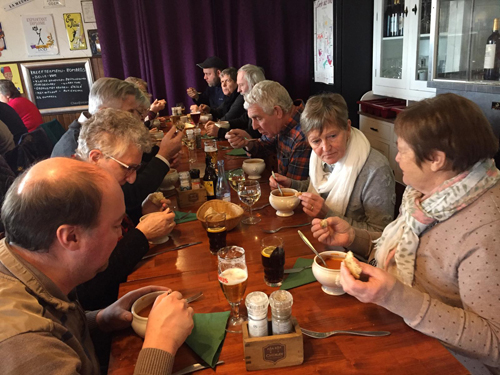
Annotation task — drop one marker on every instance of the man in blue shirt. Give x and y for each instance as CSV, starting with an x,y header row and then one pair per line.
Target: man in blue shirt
x,y
213,95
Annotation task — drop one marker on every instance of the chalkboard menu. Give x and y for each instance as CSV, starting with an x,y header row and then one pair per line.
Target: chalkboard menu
x,y
58,86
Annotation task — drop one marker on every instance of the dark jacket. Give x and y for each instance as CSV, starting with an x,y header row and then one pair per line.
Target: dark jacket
x,y
66,146
231,109
15,124
212,96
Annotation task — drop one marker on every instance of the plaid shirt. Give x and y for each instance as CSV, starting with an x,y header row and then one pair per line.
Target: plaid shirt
x,y
290,145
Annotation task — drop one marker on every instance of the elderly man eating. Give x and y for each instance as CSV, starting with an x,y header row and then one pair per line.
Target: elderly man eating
x,y
277,118
54,243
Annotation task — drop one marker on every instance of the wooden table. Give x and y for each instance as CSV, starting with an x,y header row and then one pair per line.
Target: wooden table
x,y
194,269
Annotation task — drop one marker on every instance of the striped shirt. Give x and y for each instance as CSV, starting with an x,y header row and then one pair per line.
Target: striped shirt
x,y
290,145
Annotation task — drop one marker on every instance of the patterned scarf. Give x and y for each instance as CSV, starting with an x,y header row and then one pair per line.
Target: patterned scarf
x,y
402,237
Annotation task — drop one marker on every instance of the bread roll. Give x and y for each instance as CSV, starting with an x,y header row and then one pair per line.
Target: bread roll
x,y
352,266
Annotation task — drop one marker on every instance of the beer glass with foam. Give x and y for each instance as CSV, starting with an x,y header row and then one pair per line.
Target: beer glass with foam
x,y
233,276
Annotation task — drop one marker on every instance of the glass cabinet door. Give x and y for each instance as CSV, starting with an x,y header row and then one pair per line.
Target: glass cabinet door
x,y
423,11
391,52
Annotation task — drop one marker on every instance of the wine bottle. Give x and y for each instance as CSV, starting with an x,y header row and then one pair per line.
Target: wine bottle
x,y
401,17
394,29
388,19
222,192
492,55
210,178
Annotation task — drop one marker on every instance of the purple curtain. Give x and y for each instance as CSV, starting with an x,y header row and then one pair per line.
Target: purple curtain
x,y
162,41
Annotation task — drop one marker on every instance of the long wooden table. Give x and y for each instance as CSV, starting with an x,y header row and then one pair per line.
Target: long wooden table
x,y
194,269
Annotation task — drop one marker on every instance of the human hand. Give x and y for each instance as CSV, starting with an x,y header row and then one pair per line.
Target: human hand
x,y
282,180
157,224
192,93
118,315
203,108
169,324
337,233
157,105
313,205
212,129
380,283
194,108
238,138
171,143
150,205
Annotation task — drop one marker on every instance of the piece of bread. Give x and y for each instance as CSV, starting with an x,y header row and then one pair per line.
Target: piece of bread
x,y
156,198
298,194
324,223
352,266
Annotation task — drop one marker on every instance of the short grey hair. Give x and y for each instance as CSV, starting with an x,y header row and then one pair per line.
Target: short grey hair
x,y
323,110
231,72
268,94
112,131
111,92
253,74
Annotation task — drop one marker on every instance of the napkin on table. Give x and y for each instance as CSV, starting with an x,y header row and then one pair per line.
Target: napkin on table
x,y
208,335
237,152
179,214
303,277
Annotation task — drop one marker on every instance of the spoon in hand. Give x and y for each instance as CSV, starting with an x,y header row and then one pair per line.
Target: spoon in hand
x,y
274,176
306,241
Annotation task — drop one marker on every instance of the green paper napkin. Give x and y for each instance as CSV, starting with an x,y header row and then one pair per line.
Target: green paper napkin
x,y
208,335
306,276
189,217
237,152
206,136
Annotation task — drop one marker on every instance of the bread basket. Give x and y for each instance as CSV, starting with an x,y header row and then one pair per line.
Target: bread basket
x,y
233,212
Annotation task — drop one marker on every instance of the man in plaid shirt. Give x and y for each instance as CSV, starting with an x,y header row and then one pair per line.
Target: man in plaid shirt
x,y
277,118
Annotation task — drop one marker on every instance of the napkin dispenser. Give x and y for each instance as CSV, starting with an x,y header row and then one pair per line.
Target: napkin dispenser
x,y
273,351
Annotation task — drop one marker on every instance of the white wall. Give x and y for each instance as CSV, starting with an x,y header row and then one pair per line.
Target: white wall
x,y
14,34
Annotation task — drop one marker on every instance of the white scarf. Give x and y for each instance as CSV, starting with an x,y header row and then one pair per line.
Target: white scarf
x,y
345,172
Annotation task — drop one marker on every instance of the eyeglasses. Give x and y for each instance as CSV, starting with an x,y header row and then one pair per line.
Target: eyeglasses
x,y
130,168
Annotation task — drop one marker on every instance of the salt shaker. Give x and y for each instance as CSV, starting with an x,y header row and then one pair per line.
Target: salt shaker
x,y
257,306
281,307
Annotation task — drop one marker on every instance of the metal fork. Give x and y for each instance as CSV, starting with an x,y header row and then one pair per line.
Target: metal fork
x,y
194,297
324,335
280,228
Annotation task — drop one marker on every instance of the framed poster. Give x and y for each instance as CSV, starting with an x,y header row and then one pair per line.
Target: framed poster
x,y
40,35
95,45
11,72
88,11
74,29
323,41
58,86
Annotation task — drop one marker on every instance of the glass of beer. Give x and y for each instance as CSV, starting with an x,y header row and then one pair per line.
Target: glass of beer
x,y
233,276
249,193
210,148
195,116
273,260
215,225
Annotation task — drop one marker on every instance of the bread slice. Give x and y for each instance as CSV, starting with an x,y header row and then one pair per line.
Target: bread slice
x,y
352,266
324,223
156,198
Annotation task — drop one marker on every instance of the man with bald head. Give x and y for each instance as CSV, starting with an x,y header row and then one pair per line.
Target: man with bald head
x,y
53,243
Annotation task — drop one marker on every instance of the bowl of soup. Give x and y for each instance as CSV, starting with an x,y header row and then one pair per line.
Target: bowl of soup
x,y
254,168
329,276
140,312
284,204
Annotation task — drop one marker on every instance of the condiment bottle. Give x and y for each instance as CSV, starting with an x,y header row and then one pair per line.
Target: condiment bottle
x,y
222,192
195,178
257,306
184,181
281,302
210,178
197,135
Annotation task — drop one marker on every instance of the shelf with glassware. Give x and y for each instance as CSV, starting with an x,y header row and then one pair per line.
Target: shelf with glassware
x,y
466,45
401,54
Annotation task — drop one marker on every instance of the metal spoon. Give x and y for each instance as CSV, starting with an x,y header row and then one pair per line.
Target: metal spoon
x,y
274,176
306,241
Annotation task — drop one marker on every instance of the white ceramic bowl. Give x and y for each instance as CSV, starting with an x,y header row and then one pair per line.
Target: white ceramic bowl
x,y
138,322
327,277
222,124
285,205
169,180
157,240
254,168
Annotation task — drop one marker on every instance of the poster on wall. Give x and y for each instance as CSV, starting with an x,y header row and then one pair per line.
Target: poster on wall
x,y
11,72
88,11
40,35
323,41
54,3
3,45
74,29
95,45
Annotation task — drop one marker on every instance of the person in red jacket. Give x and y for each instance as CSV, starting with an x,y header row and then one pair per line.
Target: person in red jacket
x,y
28,112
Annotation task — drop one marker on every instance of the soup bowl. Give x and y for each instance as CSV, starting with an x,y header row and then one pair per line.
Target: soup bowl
x,y
329,278
139,322
156,240
284,205
254,168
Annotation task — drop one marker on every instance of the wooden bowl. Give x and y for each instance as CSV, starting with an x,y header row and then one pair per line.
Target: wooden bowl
x,y
233,212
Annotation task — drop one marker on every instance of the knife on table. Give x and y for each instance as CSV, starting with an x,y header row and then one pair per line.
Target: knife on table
x,y
175,248
296,270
